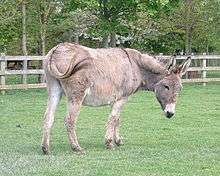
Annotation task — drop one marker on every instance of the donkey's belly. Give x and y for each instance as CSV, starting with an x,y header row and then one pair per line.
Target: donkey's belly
x,y
93,99
101,95
97,101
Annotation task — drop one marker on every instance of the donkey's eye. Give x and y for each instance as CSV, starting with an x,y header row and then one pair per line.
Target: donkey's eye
x,y
166,87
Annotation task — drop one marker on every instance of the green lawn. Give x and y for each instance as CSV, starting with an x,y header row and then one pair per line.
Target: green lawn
x,y
17,79
213,74
187,145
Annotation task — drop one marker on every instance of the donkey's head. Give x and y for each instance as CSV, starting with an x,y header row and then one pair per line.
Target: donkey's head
x,y
167,89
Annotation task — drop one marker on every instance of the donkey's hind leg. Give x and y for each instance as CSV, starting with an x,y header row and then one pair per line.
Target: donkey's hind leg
x,y
73,107
54,96
112,126
75,95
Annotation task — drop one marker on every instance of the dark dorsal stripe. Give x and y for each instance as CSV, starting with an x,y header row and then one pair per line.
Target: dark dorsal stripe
x,y
123,49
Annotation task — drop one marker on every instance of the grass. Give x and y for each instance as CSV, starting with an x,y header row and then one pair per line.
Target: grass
x,y
188,144
213,74
17,79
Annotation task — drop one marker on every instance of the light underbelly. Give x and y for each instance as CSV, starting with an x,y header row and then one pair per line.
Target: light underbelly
x,y
97,101
99,98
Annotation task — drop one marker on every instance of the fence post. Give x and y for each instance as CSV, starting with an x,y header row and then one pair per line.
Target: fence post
x,y
40,76
24,75
3,67
204,67
188,72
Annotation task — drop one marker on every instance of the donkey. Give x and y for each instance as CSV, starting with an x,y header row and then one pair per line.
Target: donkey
x,y
97,77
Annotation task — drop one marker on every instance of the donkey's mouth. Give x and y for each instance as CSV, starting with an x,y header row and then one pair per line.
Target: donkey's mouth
x,y
169,110
169,114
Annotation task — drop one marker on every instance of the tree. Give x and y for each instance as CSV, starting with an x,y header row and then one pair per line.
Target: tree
x,y
77,23
193,21
147,31
113,18
9,26
44,10
24,35
206,35
155,26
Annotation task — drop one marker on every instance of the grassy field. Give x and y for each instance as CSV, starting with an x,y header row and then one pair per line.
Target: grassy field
x,y
188,144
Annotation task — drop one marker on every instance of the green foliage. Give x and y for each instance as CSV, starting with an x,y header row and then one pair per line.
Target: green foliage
x,y
9,25
156,7
149,25
148,30
201,17
113,16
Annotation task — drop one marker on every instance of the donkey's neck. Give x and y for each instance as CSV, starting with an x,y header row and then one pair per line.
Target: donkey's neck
x,y
150,79
150,69
151,72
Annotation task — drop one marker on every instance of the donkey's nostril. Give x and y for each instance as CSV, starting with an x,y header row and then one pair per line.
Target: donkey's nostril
x,y
169,114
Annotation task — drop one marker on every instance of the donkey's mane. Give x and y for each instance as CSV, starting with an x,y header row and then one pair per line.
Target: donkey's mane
x,y
152,64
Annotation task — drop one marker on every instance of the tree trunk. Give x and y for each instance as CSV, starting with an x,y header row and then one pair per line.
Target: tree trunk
x,y
76,38
45,10
207,48
24,40
70,32
187,49
41,78
113,39
188,31
43,37
105,41
190,40
24,33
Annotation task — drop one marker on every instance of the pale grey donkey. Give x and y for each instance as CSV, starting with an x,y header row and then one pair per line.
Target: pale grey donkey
x,y
97,77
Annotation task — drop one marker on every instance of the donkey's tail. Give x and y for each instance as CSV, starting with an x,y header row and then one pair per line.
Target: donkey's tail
x,y
61,60
55,71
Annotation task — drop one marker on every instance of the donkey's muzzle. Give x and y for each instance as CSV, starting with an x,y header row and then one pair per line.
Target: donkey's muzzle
x,y
169,110
169,114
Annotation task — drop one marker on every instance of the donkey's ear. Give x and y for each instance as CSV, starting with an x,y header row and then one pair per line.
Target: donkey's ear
x,y
182,69
171,63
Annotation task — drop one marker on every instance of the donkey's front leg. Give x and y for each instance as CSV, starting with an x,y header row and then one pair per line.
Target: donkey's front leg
x,y
74,105
117,138
112,126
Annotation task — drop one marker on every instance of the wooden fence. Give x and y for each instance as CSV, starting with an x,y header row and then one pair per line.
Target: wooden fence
x,y
24,72
203,68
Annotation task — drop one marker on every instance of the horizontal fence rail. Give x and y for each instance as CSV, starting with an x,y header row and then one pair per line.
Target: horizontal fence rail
x,y
24,71
203,68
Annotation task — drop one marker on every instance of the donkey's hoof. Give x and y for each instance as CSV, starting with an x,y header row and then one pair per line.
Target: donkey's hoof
x,y
45,150
79,150
109,144
119,142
